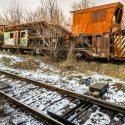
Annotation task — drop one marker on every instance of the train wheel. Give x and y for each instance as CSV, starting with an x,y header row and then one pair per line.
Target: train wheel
x,y
12,51
108,59
33,52
22,51
6,50
1,49
41,52
18,51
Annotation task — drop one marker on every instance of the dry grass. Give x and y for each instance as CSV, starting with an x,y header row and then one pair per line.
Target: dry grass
x,y
107,68
32,62
119,86
44,59
29,64
5,61
67,64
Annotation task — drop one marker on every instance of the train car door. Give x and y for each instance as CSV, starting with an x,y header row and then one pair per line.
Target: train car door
x,y
16,38
24,38
98,44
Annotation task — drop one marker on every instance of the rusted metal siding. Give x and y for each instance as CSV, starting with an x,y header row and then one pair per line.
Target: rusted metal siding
x,y
94,20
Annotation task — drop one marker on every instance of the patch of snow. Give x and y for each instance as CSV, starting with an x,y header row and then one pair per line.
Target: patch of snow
x,y
61,104
98,118
116,96
16,116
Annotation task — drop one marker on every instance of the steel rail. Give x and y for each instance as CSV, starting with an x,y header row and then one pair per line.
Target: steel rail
x,y
99,102
43,116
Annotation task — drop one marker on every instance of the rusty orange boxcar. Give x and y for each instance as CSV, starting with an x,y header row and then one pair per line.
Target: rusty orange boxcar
x,y
97,31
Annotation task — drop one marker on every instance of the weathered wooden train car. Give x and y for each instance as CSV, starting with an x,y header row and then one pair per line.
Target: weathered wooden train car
x,y
97,32
1,40
2,25
36,37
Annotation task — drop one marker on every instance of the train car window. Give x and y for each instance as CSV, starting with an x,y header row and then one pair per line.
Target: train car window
x,y
99,15
23,34
118,16
11,35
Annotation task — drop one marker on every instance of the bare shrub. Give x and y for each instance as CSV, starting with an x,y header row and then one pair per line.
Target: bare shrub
x,y
49,12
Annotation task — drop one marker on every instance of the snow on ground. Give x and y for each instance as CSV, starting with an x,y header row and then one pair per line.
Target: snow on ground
x,y
12,115
98,118
14,58
74,81
116,96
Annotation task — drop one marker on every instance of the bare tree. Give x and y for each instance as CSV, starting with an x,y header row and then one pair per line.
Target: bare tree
x,y
82,4
13,13
49,13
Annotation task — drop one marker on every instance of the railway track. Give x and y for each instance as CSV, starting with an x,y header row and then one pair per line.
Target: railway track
x,y
56,105
10,114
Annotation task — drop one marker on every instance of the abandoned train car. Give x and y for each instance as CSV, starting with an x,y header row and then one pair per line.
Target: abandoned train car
x,y
2,25
97,32
36,37
1,40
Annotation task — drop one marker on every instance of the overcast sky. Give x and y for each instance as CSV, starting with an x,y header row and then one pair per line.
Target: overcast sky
x,y
64,4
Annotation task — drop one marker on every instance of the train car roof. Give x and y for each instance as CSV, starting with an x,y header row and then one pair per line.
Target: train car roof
x,y
25,25
106,6
31,25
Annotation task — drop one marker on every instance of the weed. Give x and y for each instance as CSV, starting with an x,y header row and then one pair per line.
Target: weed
x,y
120,86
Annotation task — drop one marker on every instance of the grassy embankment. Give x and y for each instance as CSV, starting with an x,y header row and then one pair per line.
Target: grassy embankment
x,y
115,69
